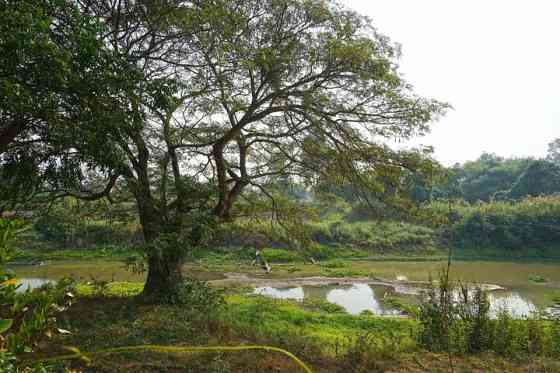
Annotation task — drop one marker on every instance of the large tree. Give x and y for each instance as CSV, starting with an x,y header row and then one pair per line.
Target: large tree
x,y
482,179
237,92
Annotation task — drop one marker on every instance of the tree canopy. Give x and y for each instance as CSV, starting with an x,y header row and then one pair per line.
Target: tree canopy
x,y
541,178
55,77
218,97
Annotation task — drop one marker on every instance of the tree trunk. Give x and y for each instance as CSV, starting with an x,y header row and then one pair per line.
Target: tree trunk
x,y
164,263
164,277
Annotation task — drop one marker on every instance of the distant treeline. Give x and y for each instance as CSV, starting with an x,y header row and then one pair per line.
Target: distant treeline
x,y
491,177
532,223
507,204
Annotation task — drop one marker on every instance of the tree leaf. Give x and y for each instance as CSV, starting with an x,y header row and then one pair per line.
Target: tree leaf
x,y
5,324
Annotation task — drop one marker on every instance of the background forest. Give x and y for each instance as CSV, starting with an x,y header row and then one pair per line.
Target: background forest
x,y
493,206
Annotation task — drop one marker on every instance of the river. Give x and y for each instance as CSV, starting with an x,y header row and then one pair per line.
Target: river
x,y
521,295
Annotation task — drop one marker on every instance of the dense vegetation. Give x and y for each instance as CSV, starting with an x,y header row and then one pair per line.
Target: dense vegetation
x,y
531,223
160,132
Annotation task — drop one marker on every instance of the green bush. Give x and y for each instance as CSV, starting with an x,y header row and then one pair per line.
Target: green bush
x,y
281,255
198,296
44,304
337,263
457,320
28,317
375,235
67,225
533,222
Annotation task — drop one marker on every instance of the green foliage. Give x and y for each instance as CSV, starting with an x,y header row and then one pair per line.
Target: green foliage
x,y
287,323
474,312
436,316
401,304
7,279
98,252
35,312
55,72
496,178
69,223
281,255
541,178
5,325
482,179
337,263
197,296
8,230
7,362
376,236
532,222
319,304
457,320
538,279
28,317
372,353
109,289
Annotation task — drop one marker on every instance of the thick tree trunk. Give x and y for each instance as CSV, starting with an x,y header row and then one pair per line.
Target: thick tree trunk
x,y
164,264
164,277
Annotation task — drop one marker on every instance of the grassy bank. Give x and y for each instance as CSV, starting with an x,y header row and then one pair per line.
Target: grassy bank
x,y
42,254
232,258
325,339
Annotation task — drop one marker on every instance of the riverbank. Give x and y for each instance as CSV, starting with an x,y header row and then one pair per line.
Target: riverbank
x,y
320,331
518,277
325,338
228,255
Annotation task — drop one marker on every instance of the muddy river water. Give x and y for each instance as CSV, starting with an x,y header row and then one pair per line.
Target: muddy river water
x,y
515,289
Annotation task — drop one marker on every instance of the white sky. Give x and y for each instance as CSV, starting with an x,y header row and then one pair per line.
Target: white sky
x,y
496,61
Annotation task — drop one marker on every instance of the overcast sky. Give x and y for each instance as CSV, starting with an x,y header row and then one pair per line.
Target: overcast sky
x,y
496,61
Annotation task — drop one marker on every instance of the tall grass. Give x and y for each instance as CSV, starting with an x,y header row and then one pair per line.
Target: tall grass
x,y
455,318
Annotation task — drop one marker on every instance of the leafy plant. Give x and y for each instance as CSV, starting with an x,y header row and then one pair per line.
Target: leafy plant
x,y
437,315
197,296
538,279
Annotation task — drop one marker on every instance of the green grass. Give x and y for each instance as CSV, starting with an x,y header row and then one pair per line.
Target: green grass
x,y
325,338
103,252
110,289
258,316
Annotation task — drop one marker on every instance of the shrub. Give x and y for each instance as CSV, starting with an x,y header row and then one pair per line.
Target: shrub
x,y
25,318
35,312
281,255
369,352
533,222
197,296
474,313
337,263
437,315
458,321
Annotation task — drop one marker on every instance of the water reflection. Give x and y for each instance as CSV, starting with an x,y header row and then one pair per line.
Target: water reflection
x,y
31,283
359,297
354,298
511,303
295,293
